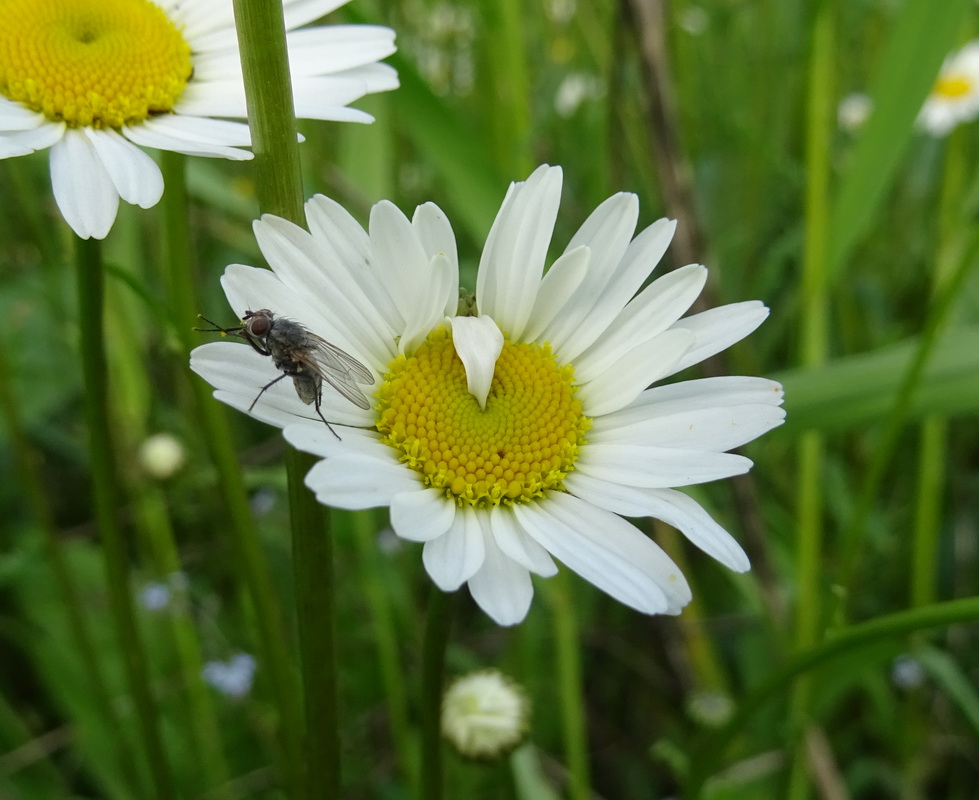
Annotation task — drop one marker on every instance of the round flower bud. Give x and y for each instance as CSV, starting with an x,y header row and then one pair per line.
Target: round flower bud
x,y
161,455
485,715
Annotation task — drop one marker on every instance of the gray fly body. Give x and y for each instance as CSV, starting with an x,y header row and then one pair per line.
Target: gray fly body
x,y
303,356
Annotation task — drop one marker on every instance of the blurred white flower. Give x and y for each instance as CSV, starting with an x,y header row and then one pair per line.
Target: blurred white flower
x,y
853,111
907,672
161,455
955,96
694,20
709,707
576,88
154,596
232,677
485,714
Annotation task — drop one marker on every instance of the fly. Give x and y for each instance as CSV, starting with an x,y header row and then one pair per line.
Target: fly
x,y
303,356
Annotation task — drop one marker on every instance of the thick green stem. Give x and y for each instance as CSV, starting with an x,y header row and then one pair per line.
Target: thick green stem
x,y
814,324
437,627
268,93
570,686
91,289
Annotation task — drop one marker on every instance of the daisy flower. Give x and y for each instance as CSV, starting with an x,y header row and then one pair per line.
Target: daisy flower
x,y
955,96
518,426
92,79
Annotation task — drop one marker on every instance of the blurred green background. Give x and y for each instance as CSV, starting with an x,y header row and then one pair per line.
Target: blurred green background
x,y
722,113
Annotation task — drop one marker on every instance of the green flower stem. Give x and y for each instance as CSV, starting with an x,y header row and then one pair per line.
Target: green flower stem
x,y
891,626
212,420
360,523
268,93
78,626
814,321
438,625
91,288
570,687
931,461
154,518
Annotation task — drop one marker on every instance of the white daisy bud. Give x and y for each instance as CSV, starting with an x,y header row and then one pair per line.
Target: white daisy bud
x,y
161,456
485,715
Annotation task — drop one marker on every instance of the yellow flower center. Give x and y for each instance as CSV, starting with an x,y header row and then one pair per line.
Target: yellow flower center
x,y
953,87
522,444
98,63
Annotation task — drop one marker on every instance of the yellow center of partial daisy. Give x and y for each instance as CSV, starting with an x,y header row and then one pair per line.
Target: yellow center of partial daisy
x,y
98,63
953,87
522,444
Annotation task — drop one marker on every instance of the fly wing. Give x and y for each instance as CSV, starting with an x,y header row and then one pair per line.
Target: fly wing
x,y
341,370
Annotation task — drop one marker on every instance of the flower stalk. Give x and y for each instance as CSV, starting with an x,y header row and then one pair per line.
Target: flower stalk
x,y
438,625
91,295
268,91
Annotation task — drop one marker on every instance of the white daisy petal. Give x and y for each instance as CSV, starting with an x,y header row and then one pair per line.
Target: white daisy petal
x,y
435,234
478,343
658,467
302,12
192,136
333,49
398,255
431,308
608,552
621,381
358,482
17,144
501,586
517,545
16,117
657,307
422,516
717,329
668,505
513,259
82,188
454,557
135,175
557,287
314,437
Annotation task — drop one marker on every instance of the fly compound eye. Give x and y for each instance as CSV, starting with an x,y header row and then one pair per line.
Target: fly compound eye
x,y
258,324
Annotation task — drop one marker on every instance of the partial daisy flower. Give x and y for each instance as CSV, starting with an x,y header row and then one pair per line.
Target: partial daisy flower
x,y
91,79
485,715
853,111
518,427
955,96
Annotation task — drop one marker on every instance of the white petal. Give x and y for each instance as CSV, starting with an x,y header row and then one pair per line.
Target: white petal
x,y
512,262
82,187
478,342
421,516
612,280
717,329
435,234
335,48
556,288
398,255
672,507
18,143
357,482
300,12
650,313
213,98
621,381
135,175
315,438
193,136
713,430
607,551
501,587
347,248
16,117
513,541
429,309
454,557
304,265
657,467
326,98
